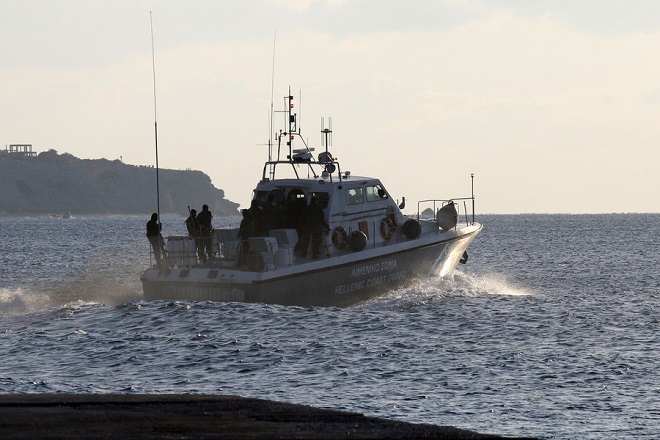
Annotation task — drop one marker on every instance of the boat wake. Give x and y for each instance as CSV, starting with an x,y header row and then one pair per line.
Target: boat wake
x,y
20,313
485,284
22,302
425,290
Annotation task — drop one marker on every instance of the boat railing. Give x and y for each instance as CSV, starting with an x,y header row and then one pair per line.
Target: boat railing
x,y
428,209
267,253
181,251
329,169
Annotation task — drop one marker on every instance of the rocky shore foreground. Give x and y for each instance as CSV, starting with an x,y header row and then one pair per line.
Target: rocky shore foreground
x,y
175,416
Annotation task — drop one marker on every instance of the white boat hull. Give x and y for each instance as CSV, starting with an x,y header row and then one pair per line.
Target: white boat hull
x,y
335,281
362,244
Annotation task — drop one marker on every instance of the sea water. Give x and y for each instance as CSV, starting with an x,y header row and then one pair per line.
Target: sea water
x,y
551,329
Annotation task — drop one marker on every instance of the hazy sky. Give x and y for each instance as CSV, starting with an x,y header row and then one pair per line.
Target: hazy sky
x,y
553,105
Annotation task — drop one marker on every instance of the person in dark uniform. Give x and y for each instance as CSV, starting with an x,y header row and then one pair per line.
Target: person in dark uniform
x,y
260,219
275,212
318,226
312,226
206,233
194,230
245,231
155,238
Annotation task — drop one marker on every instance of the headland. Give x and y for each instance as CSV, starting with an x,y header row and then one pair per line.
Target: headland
x,y
49,183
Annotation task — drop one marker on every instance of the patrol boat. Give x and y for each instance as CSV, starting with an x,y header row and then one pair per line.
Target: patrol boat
x,y
365,248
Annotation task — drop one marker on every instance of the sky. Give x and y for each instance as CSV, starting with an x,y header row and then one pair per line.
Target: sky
x,y
553,106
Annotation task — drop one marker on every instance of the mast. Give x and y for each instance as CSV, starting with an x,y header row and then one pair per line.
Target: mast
x,y
326,138
270,135
153,69
292,122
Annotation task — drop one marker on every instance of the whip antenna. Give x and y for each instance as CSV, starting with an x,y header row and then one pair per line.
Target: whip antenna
x,y
326,133
153,69
270,135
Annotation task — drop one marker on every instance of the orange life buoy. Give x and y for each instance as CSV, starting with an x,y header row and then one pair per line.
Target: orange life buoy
x,y
339,237
387,228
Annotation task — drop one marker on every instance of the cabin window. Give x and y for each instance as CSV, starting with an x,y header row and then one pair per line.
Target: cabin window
x,y
354,196
322,198
260,197
375,193
296,197
275,197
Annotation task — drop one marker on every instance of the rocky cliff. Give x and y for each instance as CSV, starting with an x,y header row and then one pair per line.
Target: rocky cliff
x,y
52,183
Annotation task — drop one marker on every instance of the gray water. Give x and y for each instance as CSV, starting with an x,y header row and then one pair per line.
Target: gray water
x,y
550,330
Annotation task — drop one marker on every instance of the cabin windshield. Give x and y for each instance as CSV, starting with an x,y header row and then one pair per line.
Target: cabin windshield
x,y
354,196
375,193
323,199
261,197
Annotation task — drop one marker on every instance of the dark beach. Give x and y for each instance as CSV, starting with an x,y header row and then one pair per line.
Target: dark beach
x,y
177,416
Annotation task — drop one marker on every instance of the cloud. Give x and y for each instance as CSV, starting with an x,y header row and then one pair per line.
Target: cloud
x,y
605,17
550,117
301,5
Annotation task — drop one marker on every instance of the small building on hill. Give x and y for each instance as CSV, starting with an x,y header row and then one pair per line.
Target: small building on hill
x,y
21,150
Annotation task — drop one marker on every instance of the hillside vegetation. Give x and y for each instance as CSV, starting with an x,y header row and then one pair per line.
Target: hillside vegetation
x,y
52,183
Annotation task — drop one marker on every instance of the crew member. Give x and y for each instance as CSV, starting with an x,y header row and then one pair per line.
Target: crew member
x,y
312,227
194,230
155,238
206,233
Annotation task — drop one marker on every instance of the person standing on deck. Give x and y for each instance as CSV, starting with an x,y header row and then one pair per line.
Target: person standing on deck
x,y
155,238
318,225
312,225
194,230
206,232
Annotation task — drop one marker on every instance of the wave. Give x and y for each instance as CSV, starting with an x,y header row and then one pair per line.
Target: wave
x,y
22,302
425,289
486,284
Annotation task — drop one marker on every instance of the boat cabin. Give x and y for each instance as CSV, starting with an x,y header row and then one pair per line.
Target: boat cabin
x,y
348,204
306,208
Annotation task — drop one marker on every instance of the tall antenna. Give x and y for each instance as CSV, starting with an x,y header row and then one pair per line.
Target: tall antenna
x,y
326,133
153,69
270,135
299,118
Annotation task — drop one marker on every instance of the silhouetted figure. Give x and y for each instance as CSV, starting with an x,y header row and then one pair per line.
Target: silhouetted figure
x,y
278,218
194,230
295,205
275,211
155,238
245,231
206,233
260,219
312,227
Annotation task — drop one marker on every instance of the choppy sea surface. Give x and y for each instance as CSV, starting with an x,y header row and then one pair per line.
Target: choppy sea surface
x,y
551,330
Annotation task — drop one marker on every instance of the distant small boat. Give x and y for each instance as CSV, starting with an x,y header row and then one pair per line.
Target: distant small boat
x,y
66,215
369,246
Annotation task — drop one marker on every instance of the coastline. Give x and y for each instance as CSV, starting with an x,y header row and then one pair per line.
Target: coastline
x,y
178,416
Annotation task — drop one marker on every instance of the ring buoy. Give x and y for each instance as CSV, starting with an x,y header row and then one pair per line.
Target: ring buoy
x,y
357,241
387,228
339,237
411,228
